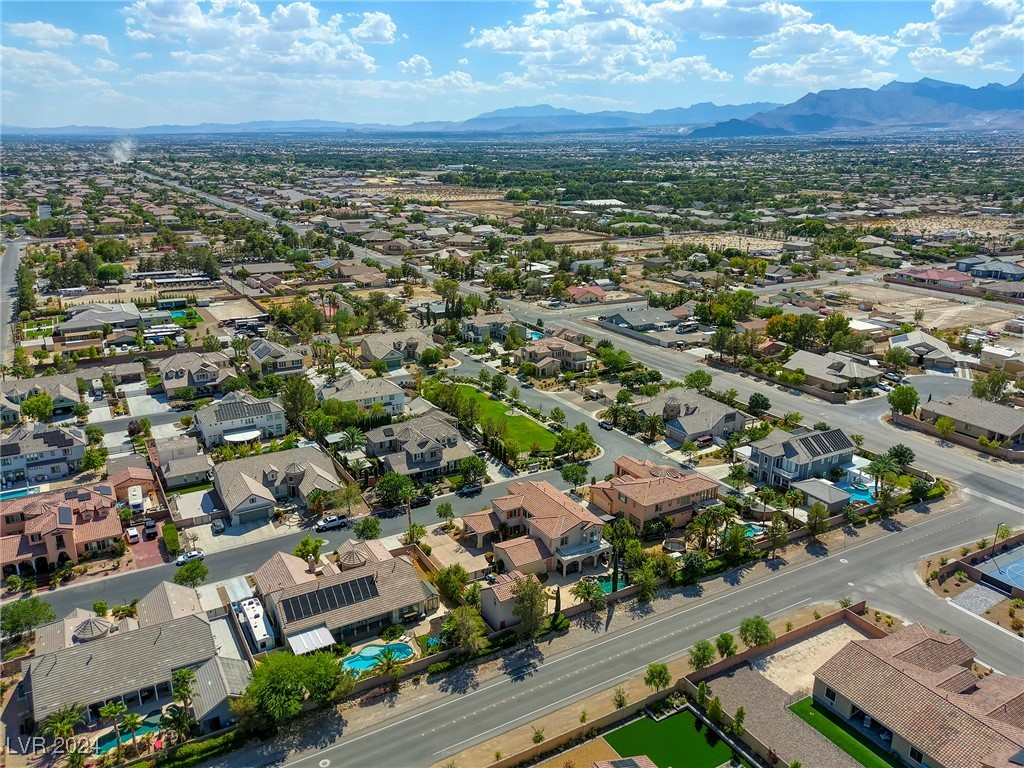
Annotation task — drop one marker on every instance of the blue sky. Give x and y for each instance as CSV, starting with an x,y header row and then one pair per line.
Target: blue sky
x,y
147,62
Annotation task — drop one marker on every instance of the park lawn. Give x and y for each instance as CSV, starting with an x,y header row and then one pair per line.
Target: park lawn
x,y
525,431
855,744
674,742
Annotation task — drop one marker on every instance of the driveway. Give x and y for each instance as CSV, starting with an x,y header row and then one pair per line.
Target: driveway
x,y
147,552
141,404
242,535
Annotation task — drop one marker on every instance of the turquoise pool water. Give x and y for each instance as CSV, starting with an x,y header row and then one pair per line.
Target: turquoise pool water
x,y
605,582
750,530
108,741
367,657
856,493
536,335
16,493
176,313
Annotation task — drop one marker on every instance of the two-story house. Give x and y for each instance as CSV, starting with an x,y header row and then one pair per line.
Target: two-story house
x,y
554,355
494,326
62,389
424,447
366,394
252,487
269,357
784,458
39,452
554,532
44,530
203,372
396,349
181,464
642,491
240,418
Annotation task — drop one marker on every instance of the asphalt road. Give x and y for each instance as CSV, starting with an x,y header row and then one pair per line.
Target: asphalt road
x,y
9,260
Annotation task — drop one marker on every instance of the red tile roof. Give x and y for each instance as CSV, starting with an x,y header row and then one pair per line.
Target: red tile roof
x,y
521,551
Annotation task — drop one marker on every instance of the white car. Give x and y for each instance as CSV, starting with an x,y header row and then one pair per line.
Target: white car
x,y
132,534
188,557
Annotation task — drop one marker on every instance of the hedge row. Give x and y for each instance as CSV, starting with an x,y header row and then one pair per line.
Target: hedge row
x,y
454,662
196,752
171,541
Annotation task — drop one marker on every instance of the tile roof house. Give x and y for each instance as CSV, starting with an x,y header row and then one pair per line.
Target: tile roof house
x,y
204,372
919,686
553,355
240,417
643,319
925,350
494,326
831,371
252,487
46,529
784,458
689,416
947,278
643,491
497,600
556,532
585,294
396,349
978,418
366,393
180,462
426,446
269,357
38,452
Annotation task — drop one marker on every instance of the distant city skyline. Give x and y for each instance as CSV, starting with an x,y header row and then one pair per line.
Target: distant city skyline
x,y
183,62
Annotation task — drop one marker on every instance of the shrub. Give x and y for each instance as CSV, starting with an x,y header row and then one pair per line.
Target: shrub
x,y
171,541
437,668
393,632
538,735
933,576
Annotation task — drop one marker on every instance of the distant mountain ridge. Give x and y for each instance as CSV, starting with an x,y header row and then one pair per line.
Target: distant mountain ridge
x,y
926,103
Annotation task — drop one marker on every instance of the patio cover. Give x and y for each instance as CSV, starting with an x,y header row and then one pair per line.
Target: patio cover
x,y
243,436
310,640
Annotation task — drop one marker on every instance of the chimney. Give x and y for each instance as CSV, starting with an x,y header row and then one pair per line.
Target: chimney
x,y
310,564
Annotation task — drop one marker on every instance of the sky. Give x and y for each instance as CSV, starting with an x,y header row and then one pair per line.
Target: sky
x,y
130,64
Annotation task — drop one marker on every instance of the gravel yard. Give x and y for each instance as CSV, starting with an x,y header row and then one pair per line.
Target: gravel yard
x,y
792,667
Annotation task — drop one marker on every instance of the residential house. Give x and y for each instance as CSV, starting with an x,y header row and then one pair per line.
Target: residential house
x,y
555,532
240,418
651,319
203,372
976,418
967,263
643,491
359,273
39,452
946,278
44,530
585,294
396,349
925,351
999,270
366,393
824,492
573,337
916,693
86,319
784,458
498,600
252,487
552,355
424,447
121,480
62,389
691,417
180,462
269,357
343,606
832,372
494,326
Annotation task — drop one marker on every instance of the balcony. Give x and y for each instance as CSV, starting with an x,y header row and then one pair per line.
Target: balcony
x,y
586,549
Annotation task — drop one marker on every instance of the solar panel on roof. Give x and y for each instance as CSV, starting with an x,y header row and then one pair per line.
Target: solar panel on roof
x,y
1018,759
329,598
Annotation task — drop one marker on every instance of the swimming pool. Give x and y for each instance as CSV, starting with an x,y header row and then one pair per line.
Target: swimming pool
x,y
108,741
865,495
534,335
750,530
16,493
367,656
605,582
178,313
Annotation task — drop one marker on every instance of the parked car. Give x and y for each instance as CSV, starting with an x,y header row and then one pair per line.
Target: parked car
x,y
151,529
188,557
470,490
481,452
606,425
132,534
527,385
217,526
330,523
892,377
419,501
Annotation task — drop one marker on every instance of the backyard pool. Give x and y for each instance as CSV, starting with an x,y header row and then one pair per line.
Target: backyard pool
x,y
178,313
108,741
534,335
16,493
367,656
861,494
605,582
750,530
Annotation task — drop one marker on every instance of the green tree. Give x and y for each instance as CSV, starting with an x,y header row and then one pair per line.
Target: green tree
x,y
777,532
446,513
277,686
297,397
367,528
557,415
499,383
191,574
898,358
183,686
902,454
702,655
114,711
393,489
451,581
319,424
756,631
738,720
60,724
473,469
817,519
93,458
431,357
591,592
19,616
698,380
990,386
530,605
903,399
726,645
379,367
574,474
38,407
945,426
466,629
645,579
657,677
100,608
308,547
882,468
414,533
619,534
758,404
388,665
349,494
321,674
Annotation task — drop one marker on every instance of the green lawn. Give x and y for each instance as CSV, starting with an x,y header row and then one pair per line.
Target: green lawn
x,y
193,488
526,431
679,741
853,743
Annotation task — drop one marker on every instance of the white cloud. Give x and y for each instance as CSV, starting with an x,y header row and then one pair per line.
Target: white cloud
x,y
463,61
34,67
143,55
105,65
42,34
805,74
715,18
376,27
415,65
996,29
97,41
676,70
969,16
139,35
918,33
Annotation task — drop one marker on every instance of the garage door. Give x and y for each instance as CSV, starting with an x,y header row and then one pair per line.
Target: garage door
x,y
253,515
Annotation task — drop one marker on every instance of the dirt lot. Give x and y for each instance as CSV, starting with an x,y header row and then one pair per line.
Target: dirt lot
x,y
722,240
929,225
939,312
792,667
585,754
571,236
230,310
491,203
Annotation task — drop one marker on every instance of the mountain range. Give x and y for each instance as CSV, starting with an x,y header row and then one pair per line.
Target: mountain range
x,y
925,104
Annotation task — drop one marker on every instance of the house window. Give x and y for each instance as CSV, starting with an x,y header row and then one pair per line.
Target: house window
x,y
564,541
35,538
830,695
915,755
252,500
60,541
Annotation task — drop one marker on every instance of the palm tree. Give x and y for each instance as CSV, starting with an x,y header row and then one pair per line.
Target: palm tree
x,y
114,711
316,501
61,723
358,468
654,424
76,757
178,720
615,412
183,686
794,498
388,665
702,527
882,468
352,437
766,496
131,723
